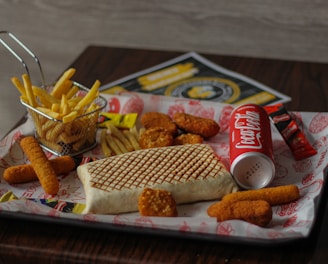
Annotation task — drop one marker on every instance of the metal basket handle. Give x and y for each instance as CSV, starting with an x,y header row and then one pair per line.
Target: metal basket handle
x,y
36,59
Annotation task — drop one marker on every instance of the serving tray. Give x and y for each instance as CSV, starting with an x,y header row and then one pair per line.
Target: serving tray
x,y
290,222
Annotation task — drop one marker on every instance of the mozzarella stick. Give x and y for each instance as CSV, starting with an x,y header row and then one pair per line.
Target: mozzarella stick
x,y
41,165
273,195
257,212
25,173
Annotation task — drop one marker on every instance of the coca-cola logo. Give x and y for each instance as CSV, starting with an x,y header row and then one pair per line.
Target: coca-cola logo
x,y
249,127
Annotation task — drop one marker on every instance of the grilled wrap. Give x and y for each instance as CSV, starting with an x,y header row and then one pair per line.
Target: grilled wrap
x,y
190,172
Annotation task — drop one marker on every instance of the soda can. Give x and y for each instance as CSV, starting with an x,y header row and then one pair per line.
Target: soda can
x,y
251,152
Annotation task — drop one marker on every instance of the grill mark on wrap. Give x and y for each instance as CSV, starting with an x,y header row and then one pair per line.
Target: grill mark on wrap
x,y
143,168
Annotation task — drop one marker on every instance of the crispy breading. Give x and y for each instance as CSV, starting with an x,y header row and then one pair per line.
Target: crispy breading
x,y
41,165
273,195
155,137
25,173
257,212
157,119
155,202
204,127
188,139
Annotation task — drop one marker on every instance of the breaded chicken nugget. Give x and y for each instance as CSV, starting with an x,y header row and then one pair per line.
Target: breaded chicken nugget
x,y
154,202
156,119
258,212
204,127
188,139
155,137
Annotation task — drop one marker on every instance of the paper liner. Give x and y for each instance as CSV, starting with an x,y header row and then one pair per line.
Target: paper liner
x,y
290,221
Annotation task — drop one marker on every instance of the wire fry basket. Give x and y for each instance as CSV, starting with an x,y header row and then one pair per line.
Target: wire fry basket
x,y
54,135
70,138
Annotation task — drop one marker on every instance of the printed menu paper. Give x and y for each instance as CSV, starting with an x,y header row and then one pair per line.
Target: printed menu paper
x,y
192,76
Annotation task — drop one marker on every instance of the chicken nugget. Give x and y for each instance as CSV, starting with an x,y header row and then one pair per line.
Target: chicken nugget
x,y
204,127
155,137
156,119
258,212
188,139
155,202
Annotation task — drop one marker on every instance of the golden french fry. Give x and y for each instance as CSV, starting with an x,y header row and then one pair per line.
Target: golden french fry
x,y
72,92
91,108
53,133
20,87
55,108
132,139
90,96
62,85
113,145
117,133
68,139
103,143
48,112
69,117
44,96
137,134
51,145
28,90
77,145
49,124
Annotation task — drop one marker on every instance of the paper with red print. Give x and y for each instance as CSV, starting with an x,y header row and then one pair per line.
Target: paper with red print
x,y
290,221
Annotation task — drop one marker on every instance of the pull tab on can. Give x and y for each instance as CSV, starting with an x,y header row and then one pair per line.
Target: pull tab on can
x,y
251,152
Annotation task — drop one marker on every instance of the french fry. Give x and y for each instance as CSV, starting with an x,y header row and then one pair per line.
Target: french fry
x,y
49,112
44,96
41,165
141,130
135,132
53,133
61,85
20,87
103,143
121,137
113,145
47,126
55,108
29,91
78,144
68,139
72,92
70,117
52,145
132,139
89,97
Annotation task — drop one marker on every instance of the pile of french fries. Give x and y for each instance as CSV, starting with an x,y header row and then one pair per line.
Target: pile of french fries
x,y
70,120
115,141
61,103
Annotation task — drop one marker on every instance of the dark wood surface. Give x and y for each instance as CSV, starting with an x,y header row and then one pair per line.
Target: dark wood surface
x,y
34,241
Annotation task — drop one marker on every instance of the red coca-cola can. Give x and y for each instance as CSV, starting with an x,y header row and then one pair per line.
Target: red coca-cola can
x,y
251,152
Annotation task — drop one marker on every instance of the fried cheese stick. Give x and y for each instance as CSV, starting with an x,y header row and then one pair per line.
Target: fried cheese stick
x,y
25,173
273,195
41,165
257,212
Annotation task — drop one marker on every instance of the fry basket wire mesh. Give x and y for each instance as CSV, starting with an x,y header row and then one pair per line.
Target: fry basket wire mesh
x,y
71,138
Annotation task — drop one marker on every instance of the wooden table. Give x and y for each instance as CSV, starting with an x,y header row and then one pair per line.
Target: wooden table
x,y
31,241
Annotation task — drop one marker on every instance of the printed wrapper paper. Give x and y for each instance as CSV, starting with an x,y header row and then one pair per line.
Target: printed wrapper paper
x,y
290,221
